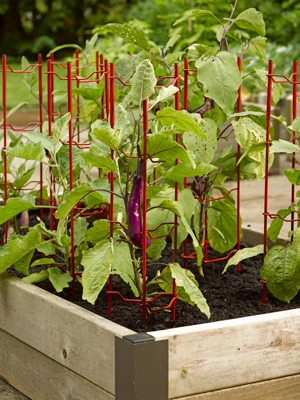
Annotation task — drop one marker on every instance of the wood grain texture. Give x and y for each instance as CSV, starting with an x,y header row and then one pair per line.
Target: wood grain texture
x,y
75,338
276,389
41,378
219,355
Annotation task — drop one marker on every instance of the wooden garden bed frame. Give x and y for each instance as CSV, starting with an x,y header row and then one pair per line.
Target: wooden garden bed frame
x,y
52,349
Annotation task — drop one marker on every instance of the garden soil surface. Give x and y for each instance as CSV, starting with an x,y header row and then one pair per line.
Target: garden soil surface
x,y
230,295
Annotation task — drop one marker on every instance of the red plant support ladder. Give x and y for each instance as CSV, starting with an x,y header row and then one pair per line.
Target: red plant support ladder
x,y
102,70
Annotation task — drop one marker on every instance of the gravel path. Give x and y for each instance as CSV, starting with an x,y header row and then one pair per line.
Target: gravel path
x,y
7,392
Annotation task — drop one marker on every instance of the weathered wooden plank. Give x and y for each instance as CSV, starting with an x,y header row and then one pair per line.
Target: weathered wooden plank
x,y
76,338
41,378
287,388
204,358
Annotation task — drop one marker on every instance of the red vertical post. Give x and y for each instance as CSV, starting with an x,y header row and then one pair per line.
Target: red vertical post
x,y
107,92
177,107
52,80
77,73
238,232
40,96
111,174
50,120
266,193
102,69
144,232
185,106
294,114
72,230
4,102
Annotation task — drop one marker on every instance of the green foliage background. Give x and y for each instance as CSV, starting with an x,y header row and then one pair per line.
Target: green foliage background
x,y
28,27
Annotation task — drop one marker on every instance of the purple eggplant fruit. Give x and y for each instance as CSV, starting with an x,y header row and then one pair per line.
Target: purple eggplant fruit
x,y
134,214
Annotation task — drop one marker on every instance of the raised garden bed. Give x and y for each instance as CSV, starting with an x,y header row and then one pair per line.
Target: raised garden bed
x,y
52,349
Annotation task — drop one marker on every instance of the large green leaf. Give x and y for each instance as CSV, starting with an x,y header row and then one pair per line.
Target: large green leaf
x,y
283,146
163,94
80,228
176,208
60,132
122,265
31,151
36,137
251,19
276,89
244,254
59,280
191,14
111,137
281,270
184,121
251,137
221,79
295,126
15,206
22,265
18,248
99,232
20,181
293,176
186,287
277,223
142,83
203,149
134,36
154,219
181,171
222,225
257,46
164,148
72,199
93,160
97,263
36,277
92,94
121,121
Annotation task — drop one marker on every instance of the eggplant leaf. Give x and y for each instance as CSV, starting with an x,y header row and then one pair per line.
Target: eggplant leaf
x,y
281,270
97,263
186,286
221,79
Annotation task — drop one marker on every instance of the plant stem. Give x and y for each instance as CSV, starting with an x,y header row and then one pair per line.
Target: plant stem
x,y
136,270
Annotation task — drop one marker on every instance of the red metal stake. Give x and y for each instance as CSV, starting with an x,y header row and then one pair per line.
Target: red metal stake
x,y
111,175
40,85
4,102
72,229
144,232
177,107
294,112
266,194
239,109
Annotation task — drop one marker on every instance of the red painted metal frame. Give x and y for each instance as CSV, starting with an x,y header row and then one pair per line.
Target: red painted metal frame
x,y
273,79
145,302
70,73
190,72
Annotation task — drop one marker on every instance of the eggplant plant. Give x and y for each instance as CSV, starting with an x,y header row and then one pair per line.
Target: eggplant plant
x,y
281,265
180,144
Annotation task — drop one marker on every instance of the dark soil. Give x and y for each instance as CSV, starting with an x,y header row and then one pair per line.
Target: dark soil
x,y
232,295
229,296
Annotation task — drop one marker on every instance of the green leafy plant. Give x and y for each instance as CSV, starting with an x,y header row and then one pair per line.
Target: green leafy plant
x,y
179,144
